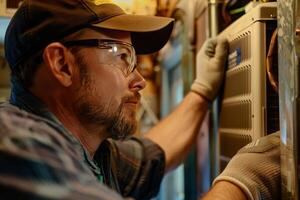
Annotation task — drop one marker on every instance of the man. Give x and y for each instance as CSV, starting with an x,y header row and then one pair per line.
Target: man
x,y
74,87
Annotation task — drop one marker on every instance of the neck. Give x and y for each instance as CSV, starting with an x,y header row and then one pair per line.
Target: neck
x,y
89,134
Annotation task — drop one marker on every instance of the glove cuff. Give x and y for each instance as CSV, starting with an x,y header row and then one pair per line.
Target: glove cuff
x,y
236,182
202,90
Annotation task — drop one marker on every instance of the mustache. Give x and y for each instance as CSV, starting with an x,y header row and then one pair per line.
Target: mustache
x,y
136,97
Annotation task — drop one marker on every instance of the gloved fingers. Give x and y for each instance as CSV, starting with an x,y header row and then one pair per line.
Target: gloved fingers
x,y
263,144
210,47
210,52
222,48
256,168
210,70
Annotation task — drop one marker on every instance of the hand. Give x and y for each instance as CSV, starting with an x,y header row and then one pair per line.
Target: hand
x,y
210,63
255,169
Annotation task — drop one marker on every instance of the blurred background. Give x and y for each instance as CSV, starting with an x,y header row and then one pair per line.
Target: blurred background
x,y
260,94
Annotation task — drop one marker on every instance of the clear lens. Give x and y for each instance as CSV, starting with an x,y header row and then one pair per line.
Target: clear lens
x,y
115,53
120,55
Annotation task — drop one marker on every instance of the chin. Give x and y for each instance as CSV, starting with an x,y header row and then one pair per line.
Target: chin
x,y
123,129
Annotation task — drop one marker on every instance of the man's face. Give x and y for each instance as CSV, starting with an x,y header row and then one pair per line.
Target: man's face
x,y
106,97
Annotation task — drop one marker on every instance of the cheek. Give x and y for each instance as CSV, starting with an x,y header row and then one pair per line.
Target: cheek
x,y
110,86
107,82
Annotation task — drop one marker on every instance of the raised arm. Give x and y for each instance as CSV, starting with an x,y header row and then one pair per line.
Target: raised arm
x,y
178,131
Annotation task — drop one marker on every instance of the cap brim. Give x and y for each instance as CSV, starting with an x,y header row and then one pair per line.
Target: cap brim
x,y
148,33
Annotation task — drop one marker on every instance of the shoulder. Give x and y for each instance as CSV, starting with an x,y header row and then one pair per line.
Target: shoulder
x,y
38,162
26,134
136,146
13,118
133,162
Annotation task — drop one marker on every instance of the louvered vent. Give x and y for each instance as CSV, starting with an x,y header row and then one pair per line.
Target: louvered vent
x,y
249,108
237,115
238,82
236,107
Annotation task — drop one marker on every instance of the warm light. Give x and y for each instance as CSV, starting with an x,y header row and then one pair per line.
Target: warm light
x,y
141,7
98,2
124,2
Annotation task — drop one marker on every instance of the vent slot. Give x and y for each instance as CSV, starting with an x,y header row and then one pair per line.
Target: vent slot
x,y
229,144
240,111
238,82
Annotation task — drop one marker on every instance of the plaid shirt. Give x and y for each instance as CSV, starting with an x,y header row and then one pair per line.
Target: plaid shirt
x,y
40,159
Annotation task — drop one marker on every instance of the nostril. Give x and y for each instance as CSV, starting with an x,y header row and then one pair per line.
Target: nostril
x,y
138,82
143,84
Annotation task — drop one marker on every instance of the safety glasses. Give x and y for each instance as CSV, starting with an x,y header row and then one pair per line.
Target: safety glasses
x,y
114,52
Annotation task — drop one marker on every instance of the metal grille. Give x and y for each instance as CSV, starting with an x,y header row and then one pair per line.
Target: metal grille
x,y
236,107
237,115
230,142
238,82
240,49
248,107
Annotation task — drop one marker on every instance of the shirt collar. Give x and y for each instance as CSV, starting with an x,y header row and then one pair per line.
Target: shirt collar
x,y
25,100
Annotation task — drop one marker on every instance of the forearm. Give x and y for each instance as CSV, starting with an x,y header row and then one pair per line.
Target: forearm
x,y
176,133
224,190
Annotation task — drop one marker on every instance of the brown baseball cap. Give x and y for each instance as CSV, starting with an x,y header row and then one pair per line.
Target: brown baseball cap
x,y
40,22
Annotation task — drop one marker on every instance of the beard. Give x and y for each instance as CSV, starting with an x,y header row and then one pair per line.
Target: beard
x,y
118,121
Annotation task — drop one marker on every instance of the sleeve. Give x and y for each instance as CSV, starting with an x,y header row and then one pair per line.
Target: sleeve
x,y
35,163
139,166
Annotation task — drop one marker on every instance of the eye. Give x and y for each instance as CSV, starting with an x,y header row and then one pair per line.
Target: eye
x,y
124,57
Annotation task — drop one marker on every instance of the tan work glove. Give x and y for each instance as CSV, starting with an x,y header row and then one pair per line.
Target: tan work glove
x,y
210,63
255,169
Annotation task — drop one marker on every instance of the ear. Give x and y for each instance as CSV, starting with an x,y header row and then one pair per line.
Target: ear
x,y
59,61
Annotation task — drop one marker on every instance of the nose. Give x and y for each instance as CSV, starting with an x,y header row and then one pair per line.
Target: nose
x,y
137,81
